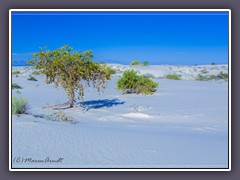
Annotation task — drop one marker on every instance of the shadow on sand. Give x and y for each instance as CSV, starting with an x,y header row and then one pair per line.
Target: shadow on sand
x,y
97,104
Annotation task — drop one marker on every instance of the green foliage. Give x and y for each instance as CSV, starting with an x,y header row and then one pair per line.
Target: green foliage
x,y
213,63
133,63
31,78
111,70
223,76
35,73
60,116
132,82
204,71
172,76
69,69
220,76
16,86
19,105
145,63
15,72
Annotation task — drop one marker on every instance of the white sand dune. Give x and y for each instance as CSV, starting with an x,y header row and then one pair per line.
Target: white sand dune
x,y
184,124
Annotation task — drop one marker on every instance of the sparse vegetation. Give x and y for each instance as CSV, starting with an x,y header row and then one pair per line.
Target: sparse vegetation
x,y
220,76
172,76
213,63
35,73
31,78
204,71
60,116
132,82
149,75
133,63
16,72
223,76
111,70
19,105
145,63
16,86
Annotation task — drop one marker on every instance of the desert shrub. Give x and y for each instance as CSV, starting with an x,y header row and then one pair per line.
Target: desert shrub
x,y
206,78
35,73
213,63
16,86
15,72
111,70
31,78
132,82
145,63
204,71
149,75
223,76
19,105
60,116
172,76
135,63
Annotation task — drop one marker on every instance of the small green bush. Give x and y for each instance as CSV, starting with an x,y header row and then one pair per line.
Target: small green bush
x,y
206,78
213,63
132,82
19,105
36,73
222,75
111,70
172,76
16,86
60,116
31,78
15,72
204,71
145,63
133,63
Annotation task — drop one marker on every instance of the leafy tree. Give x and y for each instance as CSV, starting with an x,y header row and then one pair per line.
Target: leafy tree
x,y
132,82
70,69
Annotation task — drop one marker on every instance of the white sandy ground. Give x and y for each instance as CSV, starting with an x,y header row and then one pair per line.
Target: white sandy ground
x,y
184,124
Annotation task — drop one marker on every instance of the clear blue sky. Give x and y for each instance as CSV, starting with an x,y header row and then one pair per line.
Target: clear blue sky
x,y
183,38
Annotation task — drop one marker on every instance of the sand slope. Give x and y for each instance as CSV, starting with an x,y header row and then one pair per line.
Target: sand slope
x,y
185,124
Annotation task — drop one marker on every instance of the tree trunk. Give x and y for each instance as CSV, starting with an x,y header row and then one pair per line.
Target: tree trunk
x,y
71,100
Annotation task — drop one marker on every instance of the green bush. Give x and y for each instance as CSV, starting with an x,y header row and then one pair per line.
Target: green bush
x,y
222,75
111,70
204,71
206,78
145,63
15,72
16,86
172,76
213,63
135,63
36,73
132,82
19,105
31,78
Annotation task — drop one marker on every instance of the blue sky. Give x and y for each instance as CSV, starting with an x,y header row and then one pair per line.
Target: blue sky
x,y
181,38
